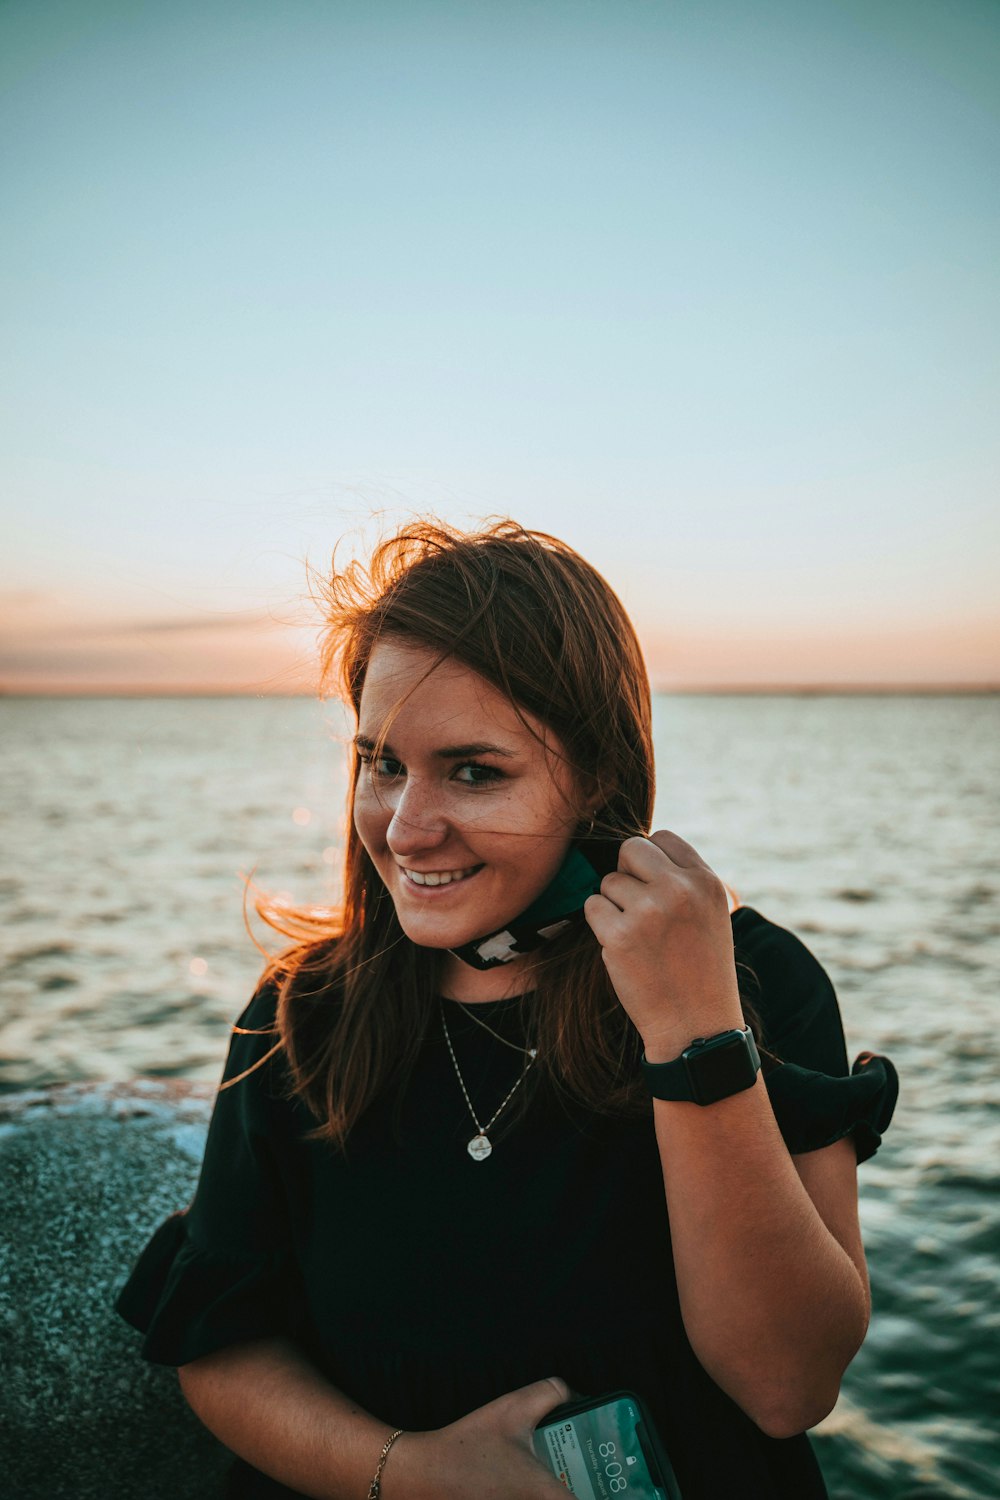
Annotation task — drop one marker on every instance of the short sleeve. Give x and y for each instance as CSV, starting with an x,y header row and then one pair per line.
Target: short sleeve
x,y
815,1097
222,1270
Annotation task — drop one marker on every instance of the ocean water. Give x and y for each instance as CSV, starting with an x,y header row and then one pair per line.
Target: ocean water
x,y
867,825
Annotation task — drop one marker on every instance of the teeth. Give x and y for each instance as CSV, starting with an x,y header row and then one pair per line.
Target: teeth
x,y
443,877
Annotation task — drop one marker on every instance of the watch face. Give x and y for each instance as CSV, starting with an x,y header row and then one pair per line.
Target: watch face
x,y
721,1066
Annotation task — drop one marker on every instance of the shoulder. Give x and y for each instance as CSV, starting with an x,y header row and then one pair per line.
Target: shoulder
x,y
255,1039
289,1016
261,1010
774,948
309,988
796,1000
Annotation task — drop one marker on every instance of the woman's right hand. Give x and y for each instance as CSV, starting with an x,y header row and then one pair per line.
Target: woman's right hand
x,y
486,1455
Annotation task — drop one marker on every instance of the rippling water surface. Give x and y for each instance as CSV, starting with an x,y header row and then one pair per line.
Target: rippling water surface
x,y
869,826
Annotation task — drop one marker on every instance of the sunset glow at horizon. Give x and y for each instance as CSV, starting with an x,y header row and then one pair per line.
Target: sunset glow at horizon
x,y
708,291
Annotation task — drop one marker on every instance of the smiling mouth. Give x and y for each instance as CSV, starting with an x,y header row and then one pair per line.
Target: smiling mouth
x,y
439,877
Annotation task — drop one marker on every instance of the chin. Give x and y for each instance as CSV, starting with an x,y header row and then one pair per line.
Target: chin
x,y
453,930
426,935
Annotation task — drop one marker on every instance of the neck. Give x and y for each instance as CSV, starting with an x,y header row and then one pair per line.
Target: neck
x,y
459,981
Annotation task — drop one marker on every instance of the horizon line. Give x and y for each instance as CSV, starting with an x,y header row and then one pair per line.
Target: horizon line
x,y
759,689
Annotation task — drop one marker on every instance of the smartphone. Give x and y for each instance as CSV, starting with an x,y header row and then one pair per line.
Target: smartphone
x,y
606,1446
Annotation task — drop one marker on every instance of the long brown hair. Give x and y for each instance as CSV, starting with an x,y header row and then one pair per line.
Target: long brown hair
x,y
533,618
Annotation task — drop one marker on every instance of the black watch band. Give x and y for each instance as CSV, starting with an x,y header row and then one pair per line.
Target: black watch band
x,y
711,1068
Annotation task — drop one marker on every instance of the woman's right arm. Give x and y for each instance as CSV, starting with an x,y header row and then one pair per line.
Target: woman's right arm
x,y
268,1403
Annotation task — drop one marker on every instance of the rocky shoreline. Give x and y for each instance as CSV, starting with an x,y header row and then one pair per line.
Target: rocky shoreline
x,y
87,1172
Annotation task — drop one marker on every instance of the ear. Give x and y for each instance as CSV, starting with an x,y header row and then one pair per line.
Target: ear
x,y
598,789
594,792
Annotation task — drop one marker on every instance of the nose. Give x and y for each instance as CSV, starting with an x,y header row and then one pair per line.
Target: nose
x,y
416,822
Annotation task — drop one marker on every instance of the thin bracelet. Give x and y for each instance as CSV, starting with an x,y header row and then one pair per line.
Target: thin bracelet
x,y
376,1485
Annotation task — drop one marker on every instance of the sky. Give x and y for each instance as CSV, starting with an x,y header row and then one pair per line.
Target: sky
x,y
707,289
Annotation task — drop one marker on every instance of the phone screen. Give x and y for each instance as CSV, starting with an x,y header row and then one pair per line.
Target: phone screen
x,y
603,1452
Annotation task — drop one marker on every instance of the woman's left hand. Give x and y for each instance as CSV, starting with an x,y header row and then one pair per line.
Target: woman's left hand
x,y
662,920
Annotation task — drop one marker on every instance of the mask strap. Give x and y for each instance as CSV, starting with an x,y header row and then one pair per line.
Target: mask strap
x,y
560,904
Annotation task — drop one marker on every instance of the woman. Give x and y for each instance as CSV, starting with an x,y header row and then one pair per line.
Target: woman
x,y
451,1177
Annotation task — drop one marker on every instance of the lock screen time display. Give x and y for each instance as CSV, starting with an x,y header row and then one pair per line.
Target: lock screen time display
x,y
597,1455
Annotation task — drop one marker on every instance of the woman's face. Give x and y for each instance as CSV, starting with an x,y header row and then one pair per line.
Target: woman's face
x,y
466,816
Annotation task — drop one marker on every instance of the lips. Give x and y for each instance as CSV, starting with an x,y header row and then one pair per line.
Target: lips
x,y
434,879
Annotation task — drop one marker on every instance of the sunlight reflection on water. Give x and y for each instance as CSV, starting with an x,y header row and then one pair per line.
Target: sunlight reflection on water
x,y
866,825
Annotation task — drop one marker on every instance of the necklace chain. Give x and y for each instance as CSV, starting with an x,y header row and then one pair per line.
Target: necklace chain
x,y
479,1147
529,1051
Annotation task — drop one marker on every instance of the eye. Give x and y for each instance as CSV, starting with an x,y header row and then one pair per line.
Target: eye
x,y
382,766
480,775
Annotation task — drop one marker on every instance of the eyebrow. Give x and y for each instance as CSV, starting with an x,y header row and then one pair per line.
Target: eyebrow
x,y
447,752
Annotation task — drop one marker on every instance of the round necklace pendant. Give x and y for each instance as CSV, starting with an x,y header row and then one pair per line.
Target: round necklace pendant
x,y
479,1148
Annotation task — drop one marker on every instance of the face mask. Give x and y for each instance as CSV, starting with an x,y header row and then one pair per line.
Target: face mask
x,y
561,903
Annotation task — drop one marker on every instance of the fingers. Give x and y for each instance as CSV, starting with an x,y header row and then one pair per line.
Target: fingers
x,y
663,868
643,857
647,861
560,1387
541,1396
674,847
521,1410
526,1405
602,917
617,887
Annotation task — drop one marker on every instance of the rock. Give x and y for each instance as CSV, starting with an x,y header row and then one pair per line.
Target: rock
x,y
87,1172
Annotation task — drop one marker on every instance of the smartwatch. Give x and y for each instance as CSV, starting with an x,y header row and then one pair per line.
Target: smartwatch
x,y
711,1068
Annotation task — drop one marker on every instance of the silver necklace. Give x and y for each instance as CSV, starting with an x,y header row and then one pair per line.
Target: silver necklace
x,y
480,1147
531,1052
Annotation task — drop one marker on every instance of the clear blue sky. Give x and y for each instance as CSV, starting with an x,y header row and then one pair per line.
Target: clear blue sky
x,y
707,288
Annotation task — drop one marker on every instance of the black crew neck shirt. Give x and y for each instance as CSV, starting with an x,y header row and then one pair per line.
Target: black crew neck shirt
x,y
424,1283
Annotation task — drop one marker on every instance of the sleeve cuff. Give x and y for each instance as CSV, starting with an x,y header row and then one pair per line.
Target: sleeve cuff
x,y
189,1302
814,1109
